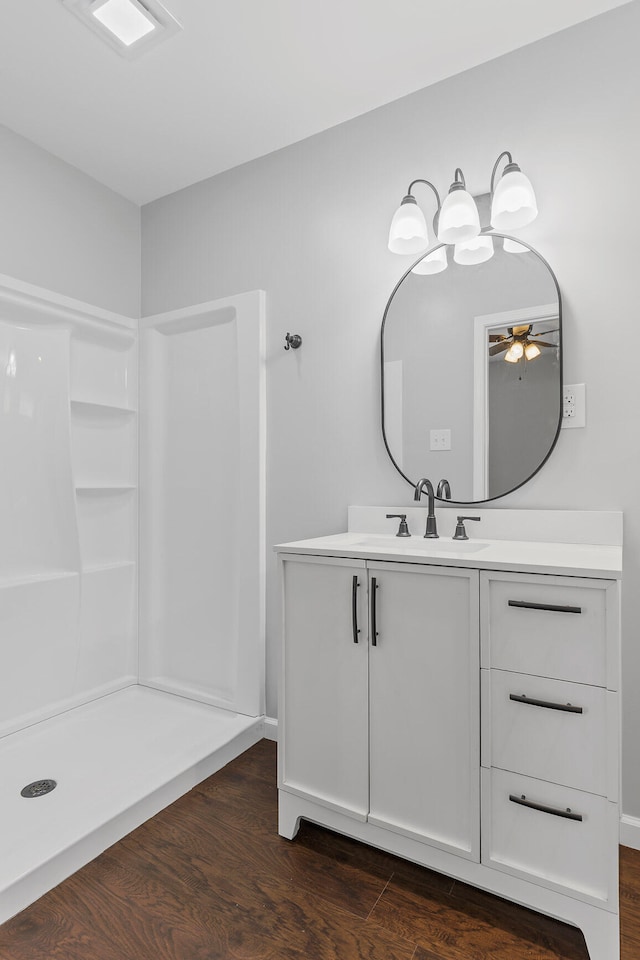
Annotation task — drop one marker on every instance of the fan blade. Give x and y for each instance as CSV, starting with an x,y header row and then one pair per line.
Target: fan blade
x,y
499,348
543,333
543,343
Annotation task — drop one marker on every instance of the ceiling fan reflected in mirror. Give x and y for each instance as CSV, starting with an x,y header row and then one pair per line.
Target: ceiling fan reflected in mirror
x,y
520,343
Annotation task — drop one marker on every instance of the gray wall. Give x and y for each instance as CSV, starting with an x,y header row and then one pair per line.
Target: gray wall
x,y
309,225
62,230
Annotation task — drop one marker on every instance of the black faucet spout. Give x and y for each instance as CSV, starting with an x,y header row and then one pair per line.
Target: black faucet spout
x,y
432,531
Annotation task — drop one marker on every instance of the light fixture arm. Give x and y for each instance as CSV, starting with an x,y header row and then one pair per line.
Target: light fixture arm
x,y
429,184
507,154
458,177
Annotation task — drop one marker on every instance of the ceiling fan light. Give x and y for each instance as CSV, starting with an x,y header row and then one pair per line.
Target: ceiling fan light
x,y
515,352
435,262
458,218
531,351
512,246
514,202
408,231
473,251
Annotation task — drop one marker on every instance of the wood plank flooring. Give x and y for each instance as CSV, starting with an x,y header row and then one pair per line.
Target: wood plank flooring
x,y
210,879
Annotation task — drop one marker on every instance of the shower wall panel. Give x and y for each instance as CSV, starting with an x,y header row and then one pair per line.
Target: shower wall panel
x,y
201,630
68,391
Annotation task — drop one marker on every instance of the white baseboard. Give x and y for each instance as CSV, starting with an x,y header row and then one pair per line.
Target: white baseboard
x,y
271,730
630,831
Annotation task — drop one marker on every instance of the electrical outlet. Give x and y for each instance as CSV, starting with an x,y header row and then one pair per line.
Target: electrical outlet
x,y
440,439
573,405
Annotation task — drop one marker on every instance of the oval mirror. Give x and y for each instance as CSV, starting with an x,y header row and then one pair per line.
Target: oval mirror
x,y
471,362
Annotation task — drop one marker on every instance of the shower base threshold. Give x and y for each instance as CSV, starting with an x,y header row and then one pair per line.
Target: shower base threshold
x,y
117,761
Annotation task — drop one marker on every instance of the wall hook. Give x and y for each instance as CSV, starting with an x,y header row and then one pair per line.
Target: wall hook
x,y
293,341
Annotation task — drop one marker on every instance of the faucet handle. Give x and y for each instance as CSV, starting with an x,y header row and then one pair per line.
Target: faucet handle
x,y
461,533
403,529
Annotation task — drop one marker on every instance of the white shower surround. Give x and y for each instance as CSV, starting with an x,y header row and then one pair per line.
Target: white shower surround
x,y
73,679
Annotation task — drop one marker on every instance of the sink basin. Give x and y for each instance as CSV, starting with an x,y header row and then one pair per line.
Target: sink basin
x,y
441,545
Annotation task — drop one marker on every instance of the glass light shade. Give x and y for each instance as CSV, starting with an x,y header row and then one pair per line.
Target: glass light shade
x,y
512,246
458,219
514,202
436,262
408,231
531,351
515,352
473,251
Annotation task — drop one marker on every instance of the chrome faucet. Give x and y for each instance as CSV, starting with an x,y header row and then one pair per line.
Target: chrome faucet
x,y
432,530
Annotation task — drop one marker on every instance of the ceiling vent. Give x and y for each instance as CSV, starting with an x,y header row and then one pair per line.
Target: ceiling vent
x,y
129,26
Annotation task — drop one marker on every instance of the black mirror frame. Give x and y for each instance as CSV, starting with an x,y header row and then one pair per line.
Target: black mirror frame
x,y
561,361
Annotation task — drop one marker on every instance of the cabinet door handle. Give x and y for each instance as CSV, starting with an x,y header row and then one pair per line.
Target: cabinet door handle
x,y
354,607
566,707
568,814
556,607
374,631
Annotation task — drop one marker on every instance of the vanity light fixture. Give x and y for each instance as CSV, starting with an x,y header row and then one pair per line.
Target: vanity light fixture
x,y
130,27
408,231
473,251
513,202
436,262
512,246
457,221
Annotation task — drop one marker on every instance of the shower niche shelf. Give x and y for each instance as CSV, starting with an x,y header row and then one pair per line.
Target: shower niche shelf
x,y
105,489
21,579
93,408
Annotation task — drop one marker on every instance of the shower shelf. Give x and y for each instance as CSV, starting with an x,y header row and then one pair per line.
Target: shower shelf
x,y
100,489
93,407
107,565
22,579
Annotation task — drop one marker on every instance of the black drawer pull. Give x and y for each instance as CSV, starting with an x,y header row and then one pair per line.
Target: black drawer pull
x,y
556,607
568,814
566,707
374,626
354,607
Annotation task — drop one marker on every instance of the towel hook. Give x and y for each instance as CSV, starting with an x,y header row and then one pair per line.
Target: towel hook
x,y
293,341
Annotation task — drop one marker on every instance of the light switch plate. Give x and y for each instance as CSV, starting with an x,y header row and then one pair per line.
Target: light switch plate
x,y
440,439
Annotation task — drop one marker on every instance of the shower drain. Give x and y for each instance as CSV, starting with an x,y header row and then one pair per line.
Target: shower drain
x,y
38,788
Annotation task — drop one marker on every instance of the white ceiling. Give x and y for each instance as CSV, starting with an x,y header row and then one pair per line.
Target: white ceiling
x,y
243,78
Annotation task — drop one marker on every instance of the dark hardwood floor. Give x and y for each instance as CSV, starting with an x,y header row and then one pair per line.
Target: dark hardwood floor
x,y
210,878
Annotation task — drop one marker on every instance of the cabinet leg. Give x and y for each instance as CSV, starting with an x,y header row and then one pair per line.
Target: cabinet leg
x,y
288,817
602,934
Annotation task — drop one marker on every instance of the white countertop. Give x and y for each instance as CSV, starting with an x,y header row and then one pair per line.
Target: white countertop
x,y
562,559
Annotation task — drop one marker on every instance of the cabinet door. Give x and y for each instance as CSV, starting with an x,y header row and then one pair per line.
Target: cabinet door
x,y
323,708
424,704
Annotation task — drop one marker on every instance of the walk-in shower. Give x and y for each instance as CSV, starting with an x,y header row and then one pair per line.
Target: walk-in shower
x,y
131,568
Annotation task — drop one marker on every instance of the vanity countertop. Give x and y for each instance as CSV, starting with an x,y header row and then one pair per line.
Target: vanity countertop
x,y
528,556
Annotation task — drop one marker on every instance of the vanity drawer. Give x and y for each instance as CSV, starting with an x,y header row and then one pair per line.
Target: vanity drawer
x,y
534,731
547,626
531,830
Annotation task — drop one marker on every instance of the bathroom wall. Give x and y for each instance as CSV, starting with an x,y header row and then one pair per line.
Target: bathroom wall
x,y
309,225
64,231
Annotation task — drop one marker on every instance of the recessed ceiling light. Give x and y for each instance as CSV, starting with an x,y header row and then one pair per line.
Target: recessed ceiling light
x,y
126,19
128,26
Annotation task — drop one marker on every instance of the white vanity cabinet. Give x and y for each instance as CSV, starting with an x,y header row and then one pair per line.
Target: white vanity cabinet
x,y
380,707
440,703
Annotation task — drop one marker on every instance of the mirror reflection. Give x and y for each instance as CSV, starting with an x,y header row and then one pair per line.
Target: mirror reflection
x,y
472,372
